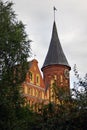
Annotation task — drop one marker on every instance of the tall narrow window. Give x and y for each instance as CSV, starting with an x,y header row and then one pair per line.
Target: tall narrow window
x,y
36,93
31,75
25,89
51,91
28,90
37,79
61,78
55,77
42,95
33,92
48,94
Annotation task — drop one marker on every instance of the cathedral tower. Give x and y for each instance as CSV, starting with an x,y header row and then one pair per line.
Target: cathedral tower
x,y
56,67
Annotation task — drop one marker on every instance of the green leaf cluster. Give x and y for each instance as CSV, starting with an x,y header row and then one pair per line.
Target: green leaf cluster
x,y
14,51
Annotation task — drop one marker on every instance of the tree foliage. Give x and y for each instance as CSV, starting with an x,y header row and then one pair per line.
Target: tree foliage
x,y
14,51
14,43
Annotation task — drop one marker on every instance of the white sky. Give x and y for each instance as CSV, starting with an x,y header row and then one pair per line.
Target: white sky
x,y
71,21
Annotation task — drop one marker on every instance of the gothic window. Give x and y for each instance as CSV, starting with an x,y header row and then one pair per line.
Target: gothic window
x,y
36,93
37,79
47,97
33,92
31,75
51,90
28,90
61,78
25,89
42,95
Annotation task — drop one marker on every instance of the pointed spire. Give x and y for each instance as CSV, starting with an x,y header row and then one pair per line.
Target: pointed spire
x,y
55,55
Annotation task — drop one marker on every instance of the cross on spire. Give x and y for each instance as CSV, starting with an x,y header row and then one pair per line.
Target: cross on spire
x,y
54,9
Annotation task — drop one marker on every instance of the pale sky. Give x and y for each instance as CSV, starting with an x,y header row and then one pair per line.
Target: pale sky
x,y
71,22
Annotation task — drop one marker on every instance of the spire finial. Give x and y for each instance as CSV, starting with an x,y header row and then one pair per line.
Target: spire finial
x,y
34,56
54,8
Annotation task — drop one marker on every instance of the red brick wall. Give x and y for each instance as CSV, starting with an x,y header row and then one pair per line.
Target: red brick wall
x,y
58,70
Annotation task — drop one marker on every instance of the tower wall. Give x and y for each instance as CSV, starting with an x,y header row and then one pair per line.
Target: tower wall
x,y
59,73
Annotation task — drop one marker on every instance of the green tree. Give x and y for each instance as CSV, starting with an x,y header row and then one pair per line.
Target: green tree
x,y
14,51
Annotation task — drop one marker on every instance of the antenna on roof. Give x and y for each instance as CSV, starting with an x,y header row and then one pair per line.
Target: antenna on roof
x,y
54,9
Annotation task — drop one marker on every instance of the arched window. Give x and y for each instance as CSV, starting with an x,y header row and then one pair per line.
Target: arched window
x,y
51,90
36,93
61,78
48,94
31,75
33,92
37,79
25,90
42,95
28,90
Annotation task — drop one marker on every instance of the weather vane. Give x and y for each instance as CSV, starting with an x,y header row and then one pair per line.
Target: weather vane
x,y
54,8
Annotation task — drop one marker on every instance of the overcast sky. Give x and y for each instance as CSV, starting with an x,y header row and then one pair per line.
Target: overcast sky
x,y
71,21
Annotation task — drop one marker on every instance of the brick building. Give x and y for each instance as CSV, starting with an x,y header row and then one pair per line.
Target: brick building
x,y
55,68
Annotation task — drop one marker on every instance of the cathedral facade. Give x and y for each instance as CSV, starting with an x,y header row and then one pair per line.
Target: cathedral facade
x,y
38,88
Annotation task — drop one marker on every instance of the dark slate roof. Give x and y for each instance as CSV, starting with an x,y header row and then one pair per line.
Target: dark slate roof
x,y
55,55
